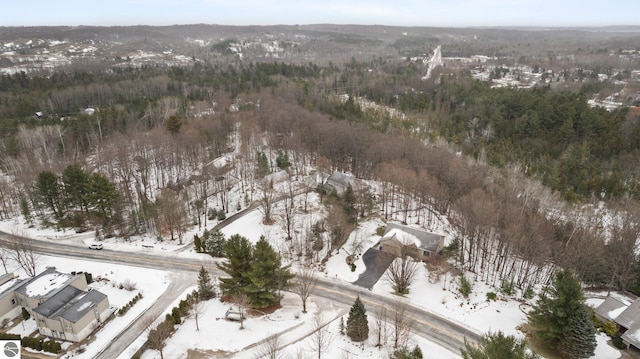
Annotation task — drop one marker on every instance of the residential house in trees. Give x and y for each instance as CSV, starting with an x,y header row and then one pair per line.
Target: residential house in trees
x,y
63,305
402,240
625,314
340,181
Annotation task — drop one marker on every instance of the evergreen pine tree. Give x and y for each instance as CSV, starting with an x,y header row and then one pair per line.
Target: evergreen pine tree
x,y
24,209
263,167
238,251
214,245
282,160
497,345
349,203
173,124
557,306
263,275
580,339
75,181
341,326
205,287
102,196
405,353
49,192
357,322
197,243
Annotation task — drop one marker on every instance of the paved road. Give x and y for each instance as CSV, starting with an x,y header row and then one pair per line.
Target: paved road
x,y
429,325
180,281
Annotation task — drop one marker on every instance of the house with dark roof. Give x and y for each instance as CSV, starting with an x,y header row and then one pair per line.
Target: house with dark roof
x,y
62,304
402,240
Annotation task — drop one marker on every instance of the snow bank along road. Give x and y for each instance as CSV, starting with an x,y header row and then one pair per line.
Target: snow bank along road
x,y
431,326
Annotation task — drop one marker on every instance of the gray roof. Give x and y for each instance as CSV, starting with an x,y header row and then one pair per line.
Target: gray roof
x,y
611,308
630,316
9,284
4,278
340,178
83,305
632,336
58,301
428,241
70,303
45,284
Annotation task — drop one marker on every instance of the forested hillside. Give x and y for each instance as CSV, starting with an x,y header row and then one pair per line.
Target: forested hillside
x,y
457,147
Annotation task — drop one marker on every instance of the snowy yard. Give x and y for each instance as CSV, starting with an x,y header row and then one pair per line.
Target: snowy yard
x,y
437,294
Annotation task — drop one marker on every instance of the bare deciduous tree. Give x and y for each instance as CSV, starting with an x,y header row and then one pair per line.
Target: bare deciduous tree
x,y
196,308
270,348
321,337
241,301
401,273
267,201
381,328
4,258
401,324
157,333
288,211
171,214
22,252
339,226
306,280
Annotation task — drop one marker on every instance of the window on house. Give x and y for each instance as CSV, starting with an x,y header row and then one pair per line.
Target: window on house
x,y
13,301
425,253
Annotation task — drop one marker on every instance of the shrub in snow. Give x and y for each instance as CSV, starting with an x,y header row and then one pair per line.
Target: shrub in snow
x,y
465,286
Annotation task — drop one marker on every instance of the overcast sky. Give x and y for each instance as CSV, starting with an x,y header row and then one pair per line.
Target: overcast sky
x,y
457,13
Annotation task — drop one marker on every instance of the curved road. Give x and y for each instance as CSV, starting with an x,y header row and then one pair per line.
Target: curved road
x,y
442,331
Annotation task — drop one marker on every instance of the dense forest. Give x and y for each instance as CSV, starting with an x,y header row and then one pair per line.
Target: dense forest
x,y
497,162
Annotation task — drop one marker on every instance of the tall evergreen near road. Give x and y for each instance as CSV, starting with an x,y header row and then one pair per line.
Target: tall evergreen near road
x,y
263,275
357,323
75,181
205,287
238,251
49,192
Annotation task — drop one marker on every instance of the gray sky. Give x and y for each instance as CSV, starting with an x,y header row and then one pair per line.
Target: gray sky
x,y
456,13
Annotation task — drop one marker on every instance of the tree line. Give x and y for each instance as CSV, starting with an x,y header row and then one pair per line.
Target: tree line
x,y
501,216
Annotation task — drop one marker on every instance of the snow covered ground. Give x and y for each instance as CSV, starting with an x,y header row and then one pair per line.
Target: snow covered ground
x,y
107,279
436,293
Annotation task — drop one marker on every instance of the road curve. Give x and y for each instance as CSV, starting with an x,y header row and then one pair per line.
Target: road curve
x,y
440,330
